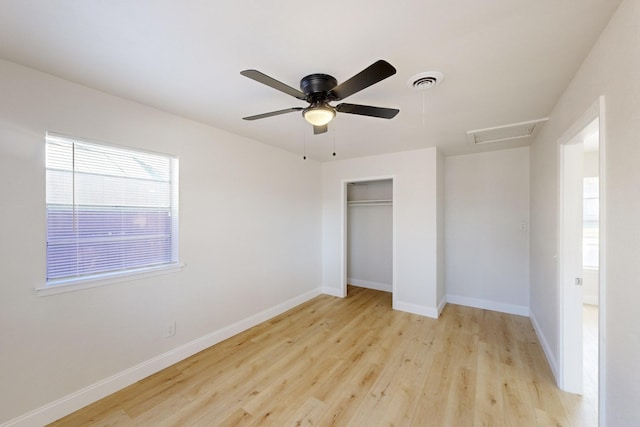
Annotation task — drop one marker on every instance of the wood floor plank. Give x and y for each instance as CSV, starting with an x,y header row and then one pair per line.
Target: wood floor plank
x,y
541,386
432,401
392,401
488,397
463,385
353,362
308,414
237,418
112,418
518,409
345,396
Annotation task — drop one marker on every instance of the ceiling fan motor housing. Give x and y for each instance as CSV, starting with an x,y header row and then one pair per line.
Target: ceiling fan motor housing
x,y
317,87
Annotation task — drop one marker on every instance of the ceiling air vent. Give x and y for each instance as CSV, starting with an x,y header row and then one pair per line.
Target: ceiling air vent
x,y
425,80
507,132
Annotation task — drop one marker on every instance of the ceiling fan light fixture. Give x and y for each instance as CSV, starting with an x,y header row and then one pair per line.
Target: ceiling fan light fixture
x,y
319,115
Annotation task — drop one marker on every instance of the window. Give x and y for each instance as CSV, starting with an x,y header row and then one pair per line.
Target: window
x,y
590,225
111,212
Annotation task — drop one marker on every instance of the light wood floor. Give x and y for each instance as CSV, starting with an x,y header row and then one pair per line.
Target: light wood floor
x,y
353,361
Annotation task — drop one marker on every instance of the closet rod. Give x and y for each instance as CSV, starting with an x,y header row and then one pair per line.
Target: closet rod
x,y
370,203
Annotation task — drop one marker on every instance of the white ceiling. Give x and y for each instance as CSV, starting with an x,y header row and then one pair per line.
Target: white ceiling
x,y
505,61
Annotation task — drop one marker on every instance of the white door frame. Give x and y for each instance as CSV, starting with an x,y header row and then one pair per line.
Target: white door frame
x,y
344,231
566,353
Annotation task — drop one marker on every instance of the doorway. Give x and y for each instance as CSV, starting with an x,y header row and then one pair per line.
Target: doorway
x,y
581,258
369,234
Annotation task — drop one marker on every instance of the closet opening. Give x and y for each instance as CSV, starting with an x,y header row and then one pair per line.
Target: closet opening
x,y
369,234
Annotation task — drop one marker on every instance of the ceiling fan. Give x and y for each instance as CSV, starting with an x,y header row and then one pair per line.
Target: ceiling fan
x,y
321,89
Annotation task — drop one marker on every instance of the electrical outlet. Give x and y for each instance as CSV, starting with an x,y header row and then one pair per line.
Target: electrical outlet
x,y
171,329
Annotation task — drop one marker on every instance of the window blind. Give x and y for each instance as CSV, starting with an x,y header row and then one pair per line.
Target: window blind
x,y
109,210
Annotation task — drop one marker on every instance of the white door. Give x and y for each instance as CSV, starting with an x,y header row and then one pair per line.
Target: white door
x,y
570,266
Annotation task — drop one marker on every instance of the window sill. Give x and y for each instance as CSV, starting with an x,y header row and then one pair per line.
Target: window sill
x,y
72,285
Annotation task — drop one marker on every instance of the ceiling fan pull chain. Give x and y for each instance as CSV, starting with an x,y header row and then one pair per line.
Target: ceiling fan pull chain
x,y
334,140
304,145
423,112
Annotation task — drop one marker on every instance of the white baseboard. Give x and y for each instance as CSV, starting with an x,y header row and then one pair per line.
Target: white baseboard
x,y
520,310
553,364
441,305
416,309
333,292
83,397
371,285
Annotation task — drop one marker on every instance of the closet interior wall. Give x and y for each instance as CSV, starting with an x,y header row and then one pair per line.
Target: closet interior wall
x,y
370,234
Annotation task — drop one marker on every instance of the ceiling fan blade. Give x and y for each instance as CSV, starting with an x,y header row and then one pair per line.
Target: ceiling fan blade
x,y
271,82
317,130
374,73
367,110
273,113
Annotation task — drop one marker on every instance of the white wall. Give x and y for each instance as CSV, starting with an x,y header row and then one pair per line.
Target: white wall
x,y
250,235
487,251
611,69
415,224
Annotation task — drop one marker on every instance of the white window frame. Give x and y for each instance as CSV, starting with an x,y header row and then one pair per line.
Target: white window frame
x,y
68,284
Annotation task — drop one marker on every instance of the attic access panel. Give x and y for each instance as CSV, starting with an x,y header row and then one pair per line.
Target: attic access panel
x,y
506,132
